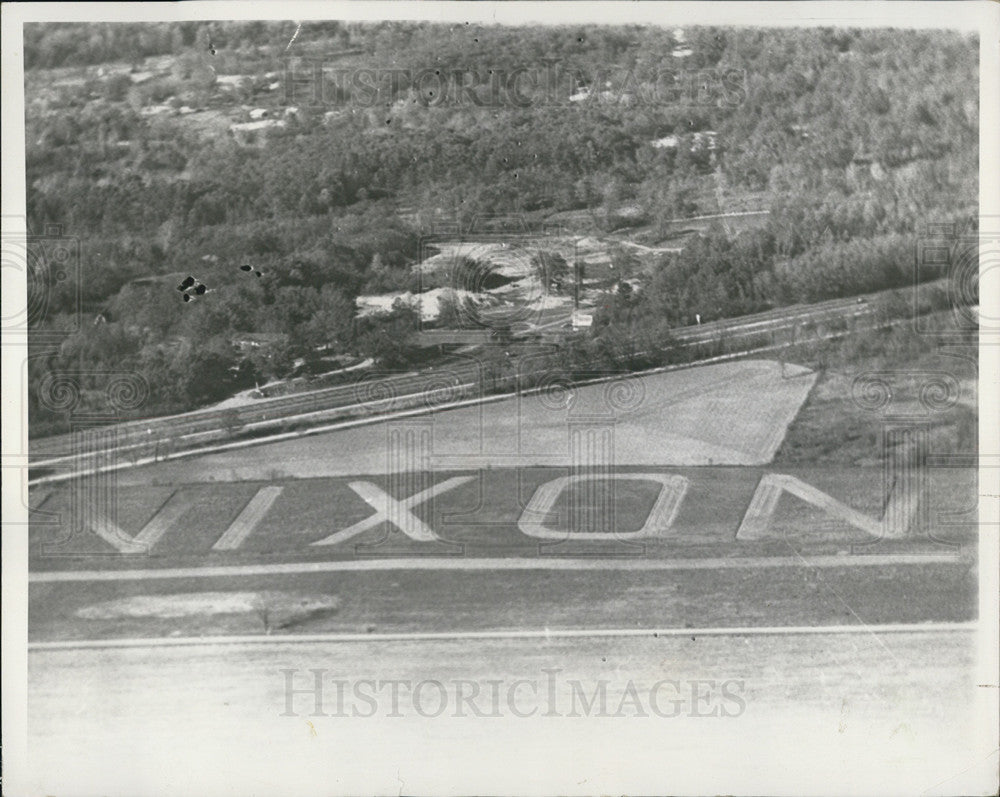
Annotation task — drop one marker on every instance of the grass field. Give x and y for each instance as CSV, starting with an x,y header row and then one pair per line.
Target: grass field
x,y
726,414
912,691
447,601
481,516
834,427
466,484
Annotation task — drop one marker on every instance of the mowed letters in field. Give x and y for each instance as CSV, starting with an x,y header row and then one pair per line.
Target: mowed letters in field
x,y
631,501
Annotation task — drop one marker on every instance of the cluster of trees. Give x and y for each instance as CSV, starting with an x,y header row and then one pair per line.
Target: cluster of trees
x,y
74,44
719,276
852,140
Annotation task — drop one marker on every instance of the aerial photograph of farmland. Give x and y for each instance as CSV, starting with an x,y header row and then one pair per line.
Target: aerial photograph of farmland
x,y
465,405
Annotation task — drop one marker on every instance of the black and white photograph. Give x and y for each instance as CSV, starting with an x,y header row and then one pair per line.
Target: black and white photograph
x,y
500,398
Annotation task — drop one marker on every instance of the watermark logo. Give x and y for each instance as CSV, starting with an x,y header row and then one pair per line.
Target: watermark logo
x,y
318,692
50,263
314,82
92,402
906,404
490,279
969,260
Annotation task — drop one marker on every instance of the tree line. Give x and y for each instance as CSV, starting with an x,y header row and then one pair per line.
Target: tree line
x,y
852,139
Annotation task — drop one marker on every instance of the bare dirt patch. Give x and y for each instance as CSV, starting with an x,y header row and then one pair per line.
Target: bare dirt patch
x,y
273,608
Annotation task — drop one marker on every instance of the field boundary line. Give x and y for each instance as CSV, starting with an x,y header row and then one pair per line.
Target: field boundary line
x,y
565,633
495,564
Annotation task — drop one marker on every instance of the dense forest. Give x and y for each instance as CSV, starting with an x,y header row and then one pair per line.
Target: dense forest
x,y
140,143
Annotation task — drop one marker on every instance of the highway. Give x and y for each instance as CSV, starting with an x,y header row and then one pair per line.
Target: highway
x,y
373,394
